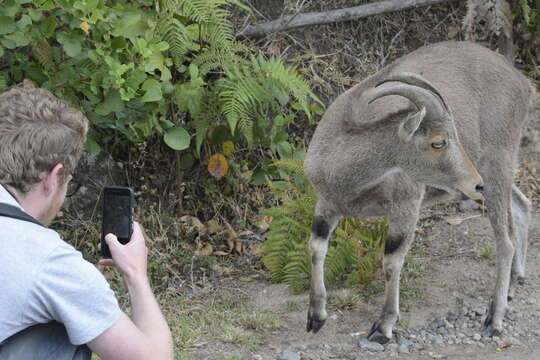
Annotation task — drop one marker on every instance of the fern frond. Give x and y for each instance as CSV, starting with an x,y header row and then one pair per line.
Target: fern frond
x,y
42,51
354,254
177,36
3,82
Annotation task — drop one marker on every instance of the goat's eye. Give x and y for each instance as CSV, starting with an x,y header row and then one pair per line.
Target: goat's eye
x,y
438,144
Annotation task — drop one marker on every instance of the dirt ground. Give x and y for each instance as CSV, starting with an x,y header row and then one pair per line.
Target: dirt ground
x,y
457,280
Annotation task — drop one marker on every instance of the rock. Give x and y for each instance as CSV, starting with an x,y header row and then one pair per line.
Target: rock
x,y
468,205
403,349
256,357
288,355
477,337
404,341
365,344
392,347
442,331
479,310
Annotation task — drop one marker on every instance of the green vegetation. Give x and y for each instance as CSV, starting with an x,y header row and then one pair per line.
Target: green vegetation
x,y
354,251
170,67
488,253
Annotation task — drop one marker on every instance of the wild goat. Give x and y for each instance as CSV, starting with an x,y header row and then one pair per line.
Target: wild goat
x,y
443,121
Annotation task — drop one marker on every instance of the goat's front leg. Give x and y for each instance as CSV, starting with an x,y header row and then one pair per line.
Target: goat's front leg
x,y
323,226
498,198
400,236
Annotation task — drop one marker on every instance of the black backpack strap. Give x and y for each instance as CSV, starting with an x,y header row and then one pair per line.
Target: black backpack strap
x,y
14,212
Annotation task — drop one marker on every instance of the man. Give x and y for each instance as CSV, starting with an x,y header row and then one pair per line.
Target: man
x,y
53,303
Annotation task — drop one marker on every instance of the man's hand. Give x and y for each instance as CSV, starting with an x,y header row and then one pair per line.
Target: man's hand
x,y
146,335
131,258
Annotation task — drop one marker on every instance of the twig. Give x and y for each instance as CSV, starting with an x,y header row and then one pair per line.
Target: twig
x,y
62,84
347,14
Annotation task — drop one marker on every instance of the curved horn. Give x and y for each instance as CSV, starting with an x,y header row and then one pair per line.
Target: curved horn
x,y
416,80
417,95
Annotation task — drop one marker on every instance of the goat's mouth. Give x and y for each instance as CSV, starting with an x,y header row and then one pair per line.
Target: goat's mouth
x,y
472,191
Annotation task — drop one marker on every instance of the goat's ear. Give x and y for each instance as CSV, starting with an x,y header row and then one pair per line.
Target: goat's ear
x,y
409,126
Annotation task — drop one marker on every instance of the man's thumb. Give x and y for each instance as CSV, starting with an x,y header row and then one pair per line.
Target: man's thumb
x,y
111,240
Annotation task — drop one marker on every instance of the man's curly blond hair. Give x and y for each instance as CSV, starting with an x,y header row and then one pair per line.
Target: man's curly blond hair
x,y
37,132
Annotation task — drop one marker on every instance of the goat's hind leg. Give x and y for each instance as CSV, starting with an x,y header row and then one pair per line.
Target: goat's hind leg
x,y
518,229
398,241
324,223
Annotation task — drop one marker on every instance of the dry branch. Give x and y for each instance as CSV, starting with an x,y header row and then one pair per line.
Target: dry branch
x,y
318,18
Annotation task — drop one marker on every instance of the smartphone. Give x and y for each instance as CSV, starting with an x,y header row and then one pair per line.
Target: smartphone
x,y
117,216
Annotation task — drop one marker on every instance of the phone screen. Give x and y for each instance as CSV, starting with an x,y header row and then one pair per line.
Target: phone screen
x,y
117,215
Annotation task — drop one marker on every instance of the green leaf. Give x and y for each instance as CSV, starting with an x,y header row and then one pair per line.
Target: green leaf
x,y
48,5
118,43
219,134
24,21
258,177
187,161
48,26
280,137
92,147
10,8
19,38
112,103
177,138
72,43
130,25
7,25
201,127
284,150
152,90
36,15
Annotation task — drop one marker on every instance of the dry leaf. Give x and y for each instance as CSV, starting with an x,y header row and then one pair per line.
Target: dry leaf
x,y
213,227
233,240
228,148
221,253
246,279
457,221
222,270
85,27
186,246
256,249
238,245
264,223
195,223
246,175
245,233
28,84
206,250
218,166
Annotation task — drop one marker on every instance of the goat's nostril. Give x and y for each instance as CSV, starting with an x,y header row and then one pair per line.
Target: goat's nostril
x,y
479,189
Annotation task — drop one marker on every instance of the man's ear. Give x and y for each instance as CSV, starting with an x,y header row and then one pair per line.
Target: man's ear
x,y
52,179
409,126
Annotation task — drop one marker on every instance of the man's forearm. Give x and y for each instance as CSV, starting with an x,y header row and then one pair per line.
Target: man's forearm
x,y
147,316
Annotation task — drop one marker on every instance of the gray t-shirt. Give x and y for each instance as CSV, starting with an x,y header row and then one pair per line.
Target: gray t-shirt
x,y
44,279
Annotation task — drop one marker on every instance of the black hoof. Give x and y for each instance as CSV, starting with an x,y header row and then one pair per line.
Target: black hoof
x,y
376,336
491,331
314,323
